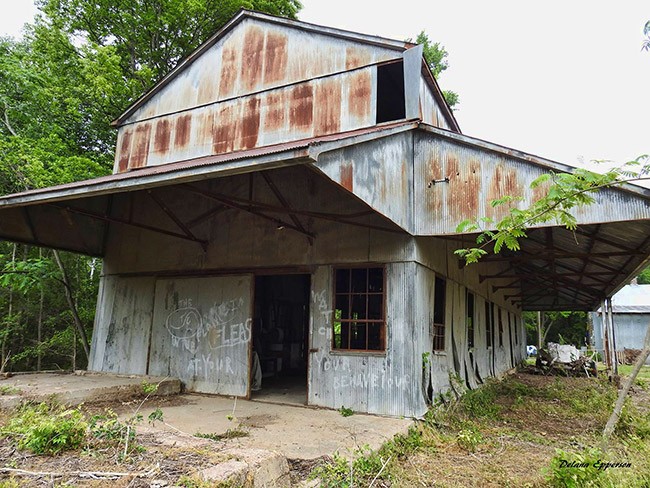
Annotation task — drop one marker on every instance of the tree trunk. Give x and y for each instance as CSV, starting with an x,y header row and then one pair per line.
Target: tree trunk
x,y
622,395
75,315
539,330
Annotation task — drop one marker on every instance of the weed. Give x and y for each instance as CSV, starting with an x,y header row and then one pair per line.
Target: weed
x,y
10,483
346,412
149,388
46,429
469,439
575,470
359,471
229,434
480,403
9,390
155,416
108,431
194,482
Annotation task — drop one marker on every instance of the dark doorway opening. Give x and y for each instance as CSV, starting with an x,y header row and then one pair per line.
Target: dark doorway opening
x,y
280,338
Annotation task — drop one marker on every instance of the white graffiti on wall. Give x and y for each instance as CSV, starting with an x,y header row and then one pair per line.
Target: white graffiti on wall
x,y
207,367
340,367
220,327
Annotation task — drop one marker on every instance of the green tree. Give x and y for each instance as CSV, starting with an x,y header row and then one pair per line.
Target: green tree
x,y
436,55
78,67
151,36
644,277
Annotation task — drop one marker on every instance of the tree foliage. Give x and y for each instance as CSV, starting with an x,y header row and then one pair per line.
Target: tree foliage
x,y
566,191
436,55
79,65
149,37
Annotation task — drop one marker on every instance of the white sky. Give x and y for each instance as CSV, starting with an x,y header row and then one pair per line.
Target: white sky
x,y
566,80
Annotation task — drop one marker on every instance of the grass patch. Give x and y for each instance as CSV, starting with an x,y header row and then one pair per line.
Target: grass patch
x,y
9,390
228,434
513,432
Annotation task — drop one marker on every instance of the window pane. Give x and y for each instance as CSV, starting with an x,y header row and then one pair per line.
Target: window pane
x,y
342,307
358,307
360,280
342,280
358,336
374,336
376,280
375,307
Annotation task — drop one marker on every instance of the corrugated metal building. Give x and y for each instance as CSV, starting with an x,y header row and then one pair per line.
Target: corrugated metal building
x,y
631,319
284,205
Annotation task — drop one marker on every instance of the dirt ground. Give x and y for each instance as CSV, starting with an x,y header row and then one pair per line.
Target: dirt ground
x,y
513,449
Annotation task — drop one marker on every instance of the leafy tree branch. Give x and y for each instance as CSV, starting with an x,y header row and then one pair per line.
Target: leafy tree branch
x,y
565,192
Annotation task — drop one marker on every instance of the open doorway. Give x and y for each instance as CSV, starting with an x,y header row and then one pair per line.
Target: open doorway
x,y
280,338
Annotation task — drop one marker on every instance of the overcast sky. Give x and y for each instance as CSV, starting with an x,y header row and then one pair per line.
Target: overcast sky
x,y
566,80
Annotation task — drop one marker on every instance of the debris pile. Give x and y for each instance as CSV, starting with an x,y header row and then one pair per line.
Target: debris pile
x,y
563,360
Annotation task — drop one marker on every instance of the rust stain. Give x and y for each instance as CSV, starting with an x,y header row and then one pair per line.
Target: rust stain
x,y
183,130
275,111
206,122
434,193
275,67
250,127
140,147
162,136
223,136
252,55
228,69
125,150
503,182
359,96
327,110
473,188
355,57
347,180
301,107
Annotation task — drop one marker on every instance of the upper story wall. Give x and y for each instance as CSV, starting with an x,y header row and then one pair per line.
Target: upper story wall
x,y
266,81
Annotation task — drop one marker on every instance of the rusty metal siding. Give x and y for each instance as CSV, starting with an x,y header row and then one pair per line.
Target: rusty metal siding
x,y
434,363
430,112
122,325
478,176
258,56
387,384
201,333
318,107
380,174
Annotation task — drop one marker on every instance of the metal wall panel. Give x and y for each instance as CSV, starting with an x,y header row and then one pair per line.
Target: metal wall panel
x,y
430,112
389,383
629,330
312,108
122,325
258,56
378,173
478,176
201,333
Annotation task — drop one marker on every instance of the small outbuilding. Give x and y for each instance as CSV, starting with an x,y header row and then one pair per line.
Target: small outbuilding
x,y
283,211
630,318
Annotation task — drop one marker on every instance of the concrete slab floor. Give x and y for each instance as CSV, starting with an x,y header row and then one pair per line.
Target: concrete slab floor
x,y
297,432
79,387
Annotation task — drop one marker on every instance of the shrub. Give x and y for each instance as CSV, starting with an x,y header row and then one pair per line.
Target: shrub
x,y
46,429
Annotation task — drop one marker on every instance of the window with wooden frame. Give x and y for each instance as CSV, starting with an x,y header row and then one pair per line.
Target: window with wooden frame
x,y
500,329
470,320
439,314
359,301
489,310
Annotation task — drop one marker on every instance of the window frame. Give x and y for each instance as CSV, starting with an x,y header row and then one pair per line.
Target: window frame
x,y
349,293
438,343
